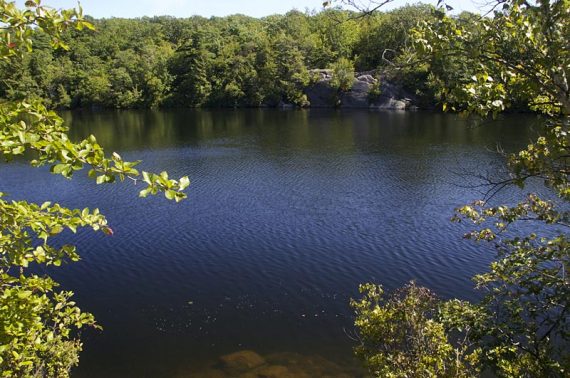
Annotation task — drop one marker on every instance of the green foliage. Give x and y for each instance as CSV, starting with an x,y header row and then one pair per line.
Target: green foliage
x,y
39,325
38,336
401,336
520,328
375,90
384,36
32,127
193,62
342,74
335,35
189,66
522,323
521,54
291,71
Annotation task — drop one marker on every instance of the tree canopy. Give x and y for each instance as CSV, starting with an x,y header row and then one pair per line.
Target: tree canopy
x,y
191,62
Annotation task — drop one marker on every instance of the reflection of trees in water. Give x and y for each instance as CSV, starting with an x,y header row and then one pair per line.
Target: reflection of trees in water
x,y
417,146
298,130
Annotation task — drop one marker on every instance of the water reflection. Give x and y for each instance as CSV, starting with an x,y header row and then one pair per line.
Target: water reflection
x,y
293,131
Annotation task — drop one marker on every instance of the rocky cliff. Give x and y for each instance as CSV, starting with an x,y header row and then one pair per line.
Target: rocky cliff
x,y
366,92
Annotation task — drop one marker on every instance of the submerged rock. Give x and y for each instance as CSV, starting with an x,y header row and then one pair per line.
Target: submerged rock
x,y
242,361
208,373
273,371
302,366
249,364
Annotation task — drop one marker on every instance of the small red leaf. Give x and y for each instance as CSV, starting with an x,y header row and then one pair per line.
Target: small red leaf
x,y
108,231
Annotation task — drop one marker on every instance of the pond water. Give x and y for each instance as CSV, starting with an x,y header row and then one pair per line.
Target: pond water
x,y
288,212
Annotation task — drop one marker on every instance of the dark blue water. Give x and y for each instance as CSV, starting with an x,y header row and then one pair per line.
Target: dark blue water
x,y
288,212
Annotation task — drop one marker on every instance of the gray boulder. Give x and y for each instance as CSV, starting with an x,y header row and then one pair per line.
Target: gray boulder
x,y
357,96
321,94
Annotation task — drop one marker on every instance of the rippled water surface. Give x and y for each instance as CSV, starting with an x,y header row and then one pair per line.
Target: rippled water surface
x,y
288,212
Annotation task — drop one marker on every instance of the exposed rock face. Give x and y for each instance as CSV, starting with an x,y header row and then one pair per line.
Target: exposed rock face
x,y
357,97
285,105
392,96
241,361
321,94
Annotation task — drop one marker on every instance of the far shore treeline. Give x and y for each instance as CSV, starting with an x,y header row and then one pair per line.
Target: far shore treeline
x,y
234,61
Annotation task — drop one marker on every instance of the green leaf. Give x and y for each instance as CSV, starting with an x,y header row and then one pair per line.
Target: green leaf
x,y
144,193
170,194
59,168
184,182
147,178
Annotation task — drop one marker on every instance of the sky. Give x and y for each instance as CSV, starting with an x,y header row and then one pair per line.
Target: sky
x,y
207,8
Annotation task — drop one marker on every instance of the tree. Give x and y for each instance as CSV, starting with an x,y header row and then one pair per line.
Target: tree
x,y
342,74
336,34
521,326
401,338
39,325
189,67
388,34
522,51
292,73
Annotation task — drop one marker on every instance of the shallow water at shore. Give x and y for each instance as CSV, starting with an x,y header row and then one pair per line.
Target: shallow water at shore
x,y
249,364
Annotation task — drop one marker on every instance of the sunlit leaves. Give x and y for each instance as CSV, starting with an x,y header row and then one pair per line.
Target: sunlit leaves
x,y
523,48
547,158
161,183
38,324
44,134
342,74
23,223
521,326
401,335
36,337
15,39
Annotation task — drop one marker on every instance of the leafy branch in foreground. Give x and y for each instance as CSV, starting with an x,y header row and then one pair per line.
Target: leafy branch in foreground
x,y
30,126
401,337
39,325
521,326
520,53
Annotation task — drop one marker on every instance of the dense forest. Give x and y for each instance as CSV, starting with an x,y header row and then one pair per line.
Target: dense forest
x,y
230,61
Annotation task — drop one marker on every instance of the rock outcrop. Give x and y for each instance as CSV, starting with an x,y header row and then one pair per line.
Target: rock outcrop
x,y
321,94
389,96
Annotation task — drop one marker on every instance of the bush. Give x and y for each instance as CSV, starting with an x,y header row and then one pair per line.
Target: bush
x,y
343,74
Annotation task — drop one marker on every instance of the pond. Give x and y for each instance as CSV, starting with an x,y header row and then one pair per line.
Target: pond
x,y
288,212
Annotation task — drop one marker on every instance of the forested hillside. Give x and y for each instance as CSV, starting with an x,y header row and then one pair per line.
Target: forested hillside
x,y
239,61
230,61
